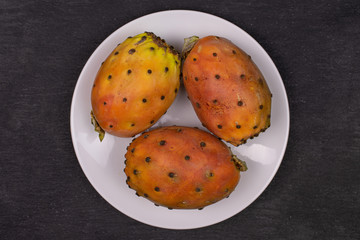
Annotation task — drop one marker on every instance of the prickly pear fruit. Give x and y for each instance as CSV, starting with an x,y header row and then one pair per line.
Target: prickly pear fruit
x,y
181,167
135,85
227,90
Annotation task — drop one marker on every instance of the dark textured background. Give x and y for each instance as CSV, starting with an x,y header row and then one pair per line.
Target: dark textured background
x,y
43,191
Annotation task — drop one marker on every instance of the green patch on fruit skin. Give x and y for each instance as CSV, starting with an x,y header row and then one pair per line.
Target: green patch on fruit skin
x,y
240,165
97,129
188,45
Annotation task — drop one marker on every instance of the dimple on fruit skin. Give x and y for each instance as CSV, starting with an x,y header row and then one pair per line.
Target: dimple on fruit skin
x,y
135,86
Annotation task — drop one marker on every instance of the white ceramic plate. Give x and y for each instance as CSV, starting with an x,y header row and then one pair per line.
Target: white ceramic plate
x,y
103,163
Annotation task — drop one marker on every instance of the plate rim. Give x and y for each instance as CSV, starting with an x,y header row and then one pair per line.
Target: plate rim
x,y
264,53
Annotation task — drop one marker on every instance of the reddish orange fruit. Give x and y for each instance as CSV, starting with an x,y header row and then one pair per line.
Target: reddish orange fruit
x,y
227,90
181,167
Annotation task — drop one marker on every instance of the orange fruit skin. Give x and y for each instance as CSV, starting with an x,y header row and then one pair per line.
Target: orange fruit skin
x,y
227,90
135,85
180,167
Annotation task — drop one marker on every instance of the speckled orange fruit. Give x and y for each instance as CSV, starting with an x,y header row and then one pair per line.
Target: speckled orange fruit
x,y
181,167
135,85
227,90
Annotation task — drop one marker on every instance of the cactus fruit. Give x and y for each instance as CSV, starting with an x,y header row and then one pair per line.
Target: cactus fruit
x,y
227,90
135,86
181,167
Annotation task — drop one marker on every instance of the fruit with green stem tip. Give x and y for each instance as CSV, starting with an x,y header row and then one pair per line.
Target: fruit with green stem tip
x,y
181,167
227,90
135,85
